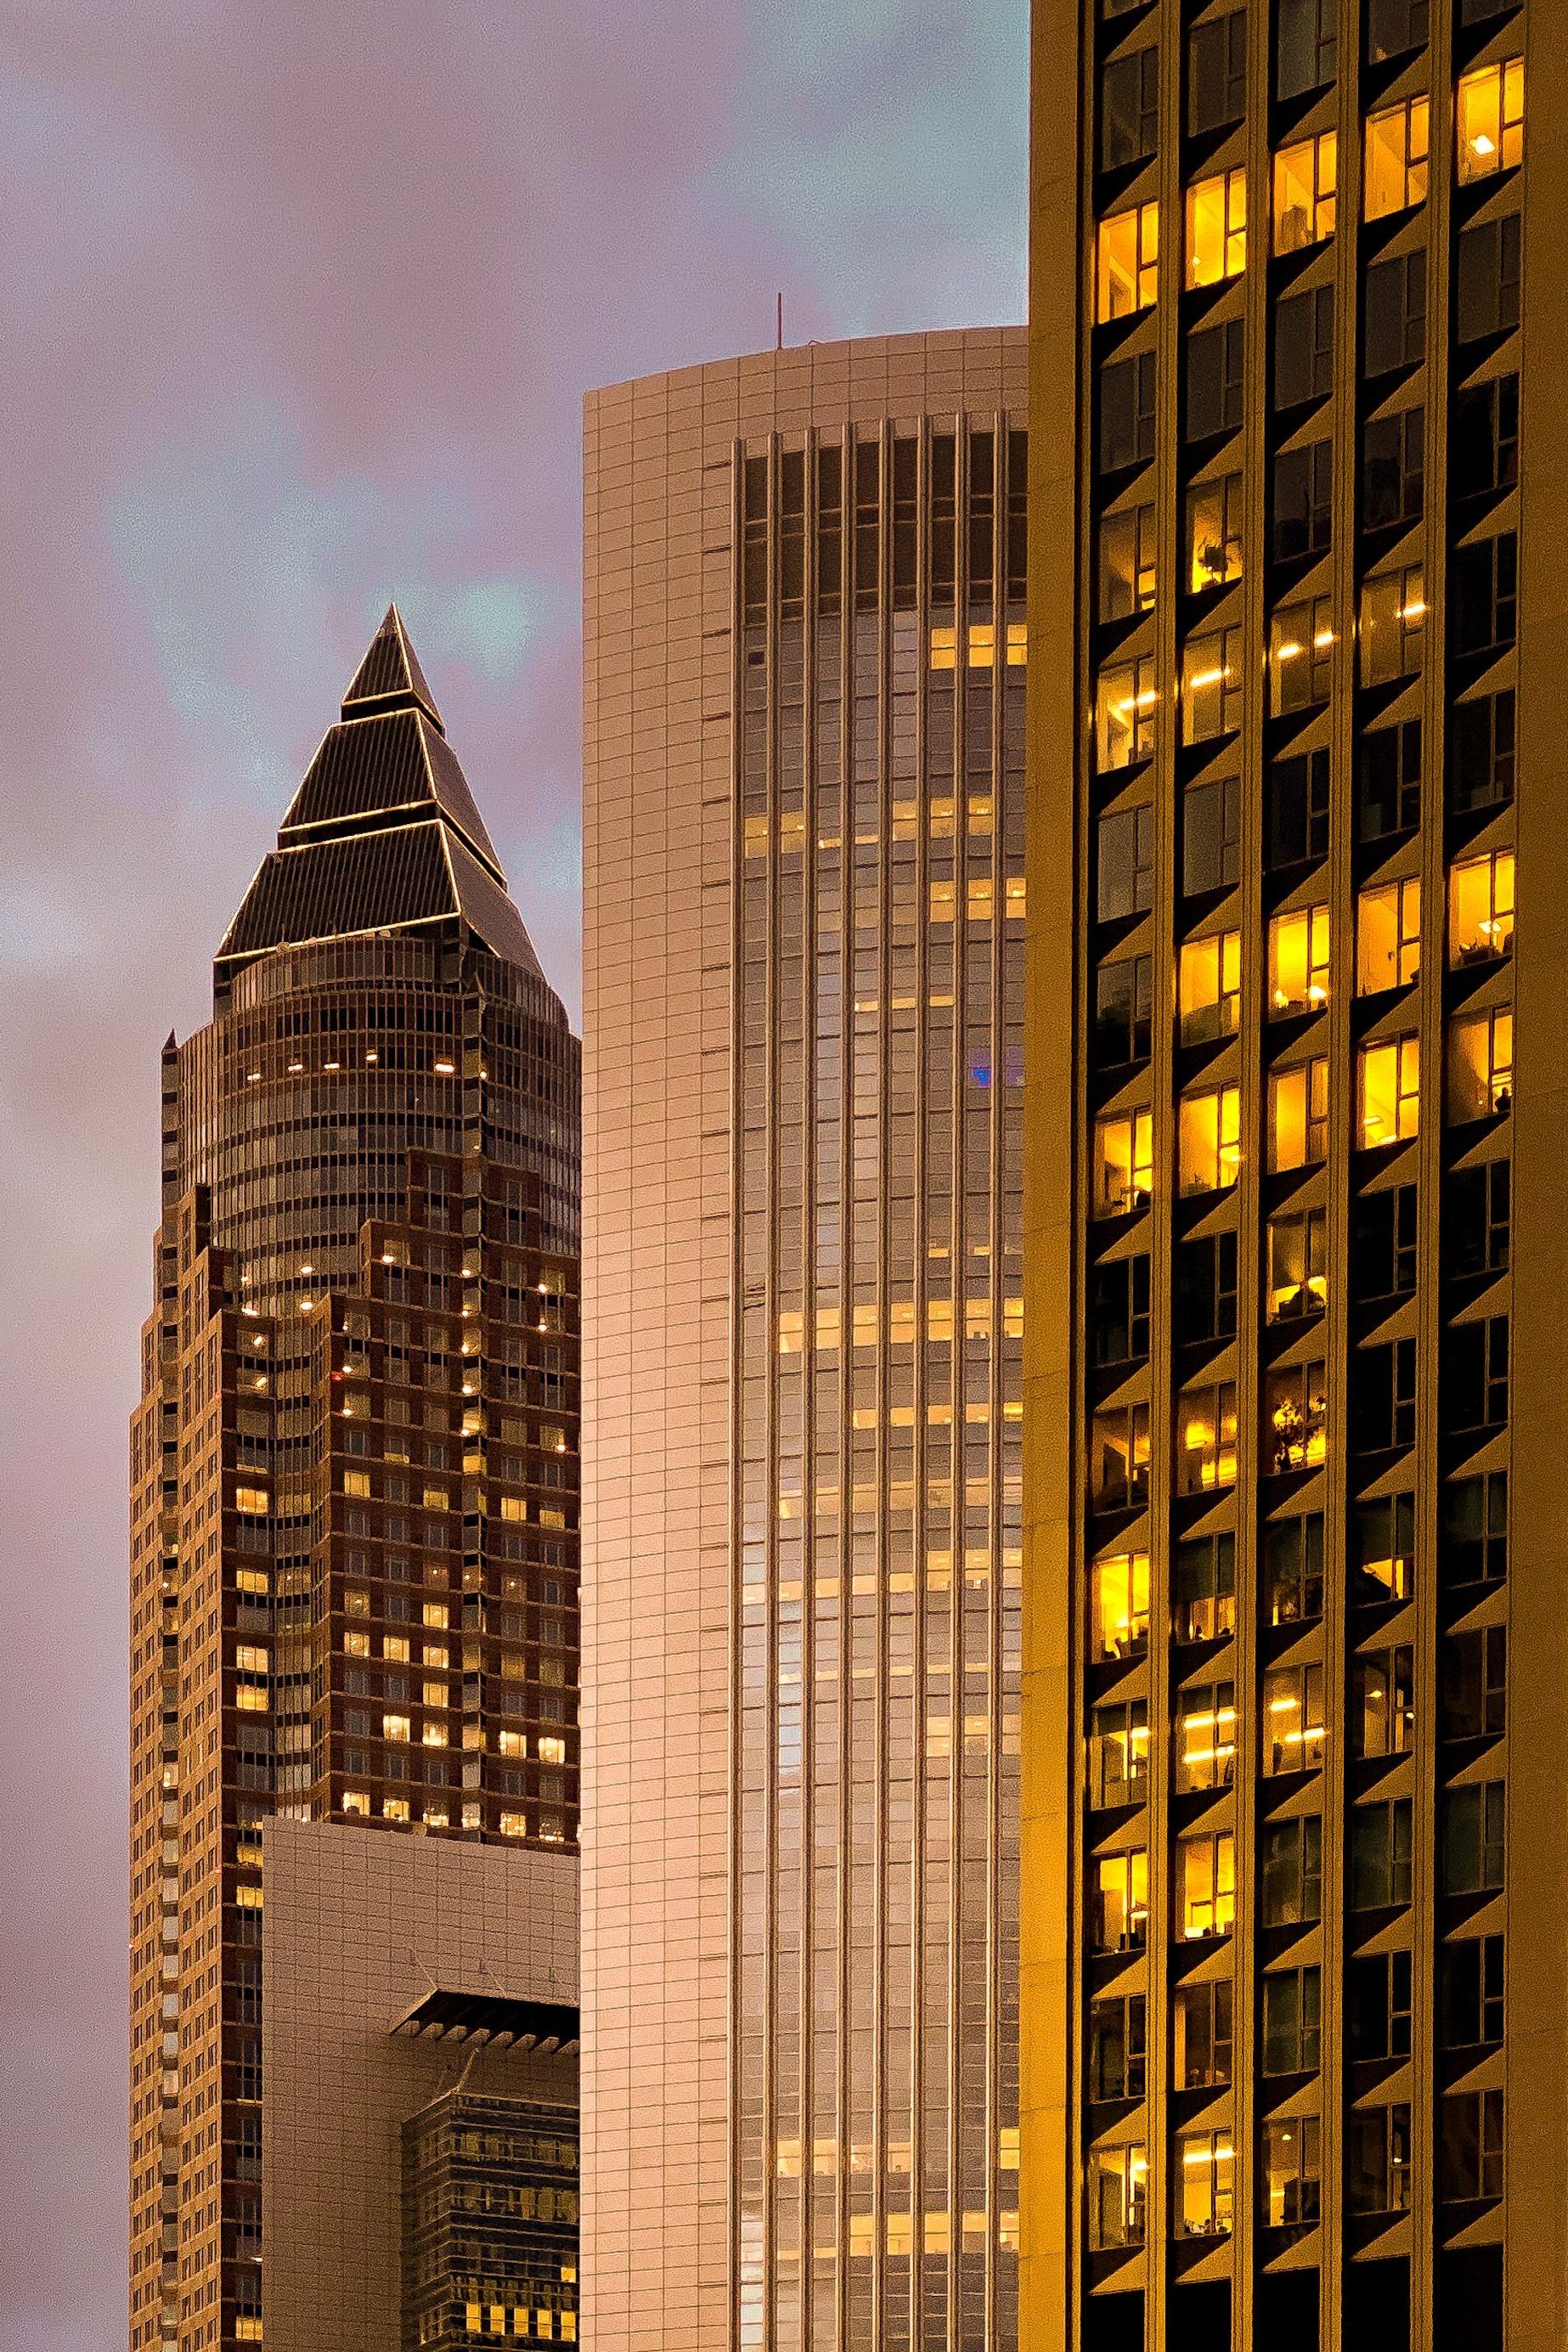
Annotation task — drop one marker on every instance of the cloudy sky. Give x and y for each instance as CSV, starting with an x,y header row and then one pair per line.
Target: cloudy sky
x,y
297,306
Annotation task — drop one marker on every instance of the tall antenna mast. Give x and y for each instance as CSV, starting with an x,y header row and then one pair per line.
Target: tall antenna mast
x,y
779,346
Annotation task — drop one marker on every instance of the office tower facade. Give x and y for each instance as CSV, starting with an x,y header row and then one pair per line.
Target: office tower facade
x,y
1294,1982
354,1571
805,661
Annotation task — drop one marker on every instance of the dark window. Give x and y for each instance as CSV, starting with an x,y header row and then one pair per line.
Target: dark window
x,y
1475,1529
1116,2060
1206,1288
1477,1222
1382,1702
1383,1550
1304,502
1385,1397
1380,1856
1377,2174
1123,1010
1299,809
1481,755
1394,469
1394,335
1470,1998
1120,1310
1389,781
1489,280
1215,359
1127,413
1378,1999
1210,835
1384,1250
1304,348
1204,2036
1475,1684
1216,73
1126,870
1484,444
1481,12
1473,1833
1292,2021
1304,45
1293,1568
1394,26
1127,563
1129,112
1291,1873
1486,593
1475,1375
1470,2152
1205,1588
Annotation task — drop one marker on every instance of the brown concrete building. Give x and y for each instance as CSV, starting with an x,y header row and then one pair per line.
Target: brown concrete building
x,y
416,1992
1295,2056
353,1467
805,655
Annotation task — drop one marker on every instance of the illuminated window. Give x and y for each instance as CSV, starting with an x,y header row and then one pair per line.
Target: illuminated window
x,y
1292,1734
1210,988
1301,656
1125,711
1119,1468
1395,159
1388,936
1389,1091
1304,193
1490,120
1205,1439
1209,1139
356,1601
1205,1884
1217,228
1118,2187
1122,1902
514,1825
1299,961
1480,908
1206,1737
1392,625
1120,1627
1292,2180
1296,1417
1298,1114
435,1612
252,1501
1382,1702
356,1800
944,655
1206,2162
1298,1264
1480,1067
395,1809
1127,563
1213,533
394,1727
1211,686
1123,1163
1127,276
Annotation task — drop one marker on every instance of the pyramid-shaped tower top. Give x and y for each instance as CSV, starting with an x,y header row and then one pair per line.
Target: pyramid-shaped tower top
x,y
383,833
390,677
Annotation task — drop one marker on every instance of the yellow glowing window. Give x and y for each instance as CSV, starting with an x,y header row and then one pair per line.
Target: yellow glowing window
x,y
1304,177
943,653
1207,1884
1120,1590
1390,1081
1217,228
514,1825
251,1580
249,1898
1395,159
1124,1163
252,1500
1205,1439
1206,1737
1125,712
1211,686
394,1727
756,837
1392,625
1213,533
1127,272
1017,891
1490,117
435,1614
981,645
1299,1115
1298,1264
1299,961
1118,2190
1207,2190
1388,936
1480,1067
980,907
1209,1139
356,1483
943,901
1121,1905
1017,644
395,1809
434,1734
436,1499
1480,908
250,1660
1292,1737
355,1801
515,1507
251,1700
552,1750
1210,988
356,1601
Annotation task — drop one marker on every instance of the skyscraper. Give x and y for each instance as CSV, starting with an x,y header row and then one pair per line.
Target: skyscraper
x,y
353,1466
1294,1976
805,660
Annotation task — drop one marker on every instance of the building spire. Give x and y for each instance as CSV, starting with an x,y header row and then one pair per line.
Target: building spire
x,y
390,677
